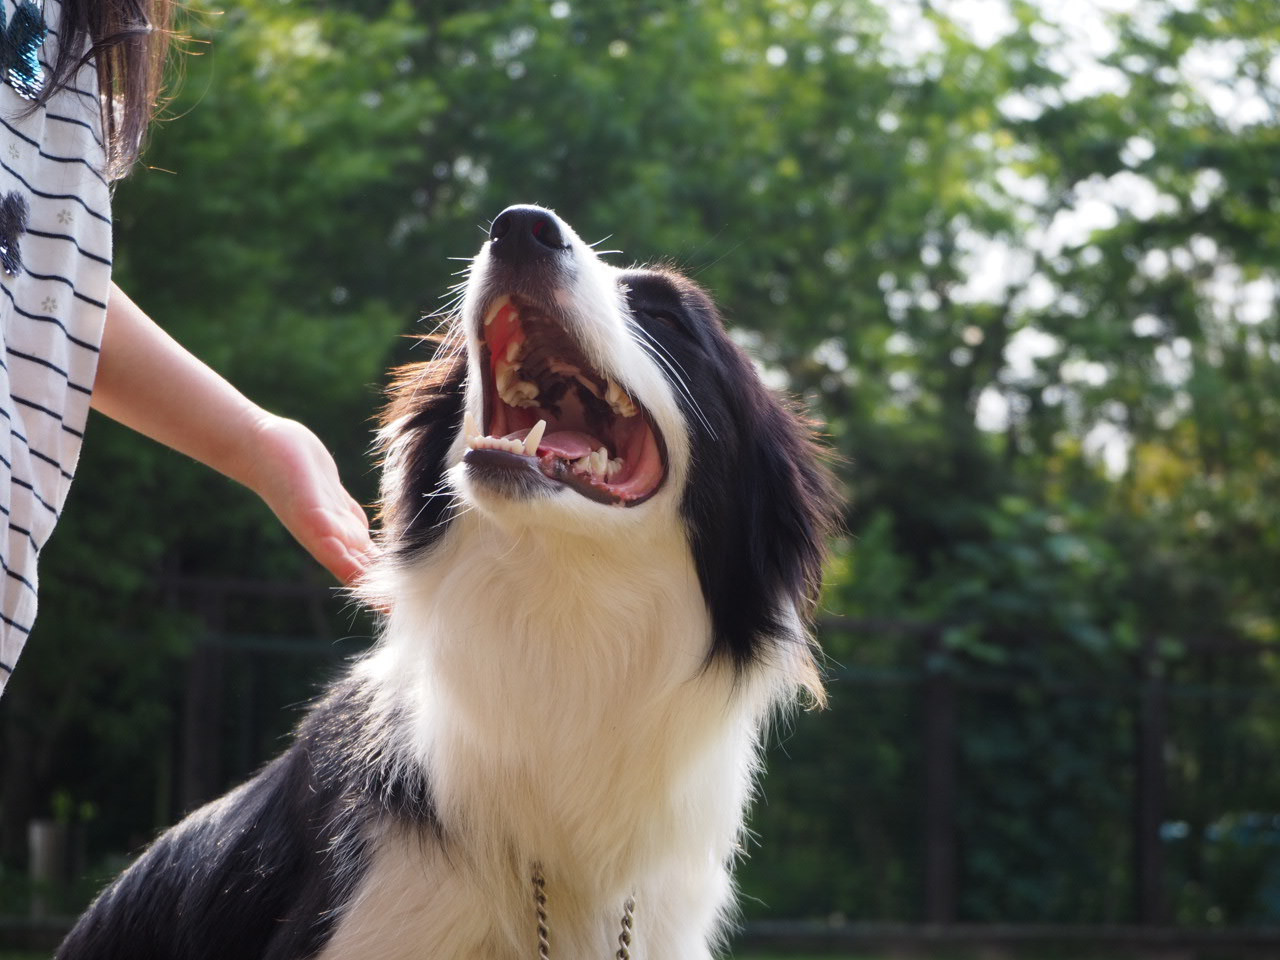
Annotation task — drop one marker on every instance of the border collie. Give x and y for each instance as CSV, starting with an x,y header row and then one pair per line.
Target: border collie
x,y
602,538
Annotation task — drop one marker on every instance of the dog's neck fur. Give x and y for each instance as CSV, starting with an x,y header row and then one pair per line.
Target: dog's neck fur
x,y
548,685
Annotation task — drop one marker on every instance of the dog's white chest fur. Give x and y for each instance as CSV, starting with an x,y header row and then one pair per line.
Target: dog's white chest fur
x,y
556,689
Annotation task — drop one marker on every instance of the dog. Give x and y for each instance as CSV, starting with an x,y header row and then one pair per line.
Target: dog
x,y
602,538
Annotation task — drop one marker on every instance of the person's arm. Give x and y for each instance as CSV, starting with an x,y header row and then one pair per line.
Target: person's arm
x,y
150,383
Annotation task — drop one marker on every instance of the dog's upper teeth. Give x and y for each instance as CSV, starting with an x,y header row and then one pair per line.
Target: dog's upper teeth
x,y
516,393
504,374
514,349
522,394
496,308
618,400
470,429
562,367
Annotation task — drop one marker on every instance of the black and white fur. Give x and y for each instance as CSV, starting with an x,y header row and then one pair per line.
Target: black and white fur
x,y
558,681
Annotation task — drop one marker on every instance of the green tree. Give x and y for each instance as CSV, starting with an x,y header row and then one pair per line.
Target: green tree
x,y
1028,283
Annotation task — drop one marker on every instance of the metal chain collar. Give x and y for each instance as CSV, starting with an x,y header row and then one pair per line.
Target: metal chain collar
x,y
544,931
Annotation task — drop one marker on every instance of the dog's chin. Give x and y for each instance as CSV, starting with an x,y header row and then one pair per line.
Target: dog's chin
x,y
507,476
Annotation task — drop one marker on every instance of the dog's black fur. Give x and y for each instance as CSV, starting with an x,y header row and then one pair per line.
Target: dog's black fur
x,y
260,872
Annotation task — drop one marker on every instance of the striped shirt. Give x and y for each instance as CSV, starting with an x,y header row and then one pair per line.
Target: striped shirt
x,y
55,218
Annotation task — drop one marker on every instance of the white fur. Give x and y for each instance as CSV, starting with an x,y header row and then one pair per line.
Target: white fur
x,y
549,658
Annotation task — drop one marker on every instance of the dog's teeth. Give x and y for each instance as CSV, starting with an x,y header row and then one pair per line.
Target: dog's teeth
x,y
582,464
522,393
515,393
561,367
614,467
470,429
599,462
534,437
496,309
617,399
504,374
589,384
498,443
514,349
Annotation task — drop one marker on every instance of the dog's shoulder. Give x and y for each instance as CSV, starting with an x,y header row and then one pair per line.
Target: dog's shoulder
x,y
263,871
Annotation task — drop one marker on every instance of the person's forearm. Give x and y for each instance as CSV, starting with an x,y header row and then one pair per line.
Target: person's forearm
x,y
150,383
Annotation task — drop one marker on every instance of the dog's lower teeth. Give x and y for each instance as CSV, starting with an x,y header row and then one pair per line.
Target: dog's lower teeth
x,y
506,445
597,465
534,437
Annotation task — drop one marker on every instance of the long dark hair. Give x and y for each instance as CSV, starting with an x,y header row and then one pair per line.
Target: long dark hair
x,y
128,40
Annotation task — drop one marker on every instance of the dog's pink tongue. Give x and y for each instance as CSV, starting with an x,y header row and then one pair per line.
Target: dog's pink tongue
x,y
568,444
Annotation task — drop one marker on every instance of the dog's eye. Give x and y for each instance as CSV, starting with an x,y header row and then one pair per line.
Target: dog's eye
x,y
664,317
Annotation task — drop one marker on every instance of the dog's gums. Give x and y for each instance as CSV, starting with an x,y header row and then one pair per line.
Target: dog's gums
x,y
548,409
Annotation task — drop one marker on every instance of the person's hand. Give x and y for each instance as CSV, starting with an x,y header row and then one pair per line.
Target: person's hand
x,y
141,369
296,476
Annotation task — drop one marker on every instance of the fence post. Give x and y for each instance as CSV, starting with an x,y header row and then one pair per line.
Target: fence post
x,y
938,691
47,840
1150,732
200,773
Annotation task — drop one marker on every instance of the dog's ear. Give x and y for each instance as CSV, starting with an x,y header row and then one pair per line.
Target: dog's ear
x,y
419,425
760,506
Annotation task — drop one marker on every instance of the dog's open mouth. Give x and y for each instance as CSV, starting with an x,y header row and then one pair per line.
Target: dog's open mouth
x,y
546,408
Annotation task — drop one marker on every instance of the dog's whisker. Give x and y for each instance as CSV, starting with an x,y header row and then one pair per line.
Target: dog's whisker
x,y
448,311
679,380
451,302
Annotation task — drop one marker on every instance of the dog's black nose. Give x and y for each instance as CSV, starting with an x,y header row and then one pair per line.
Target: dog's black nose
x,y
524,233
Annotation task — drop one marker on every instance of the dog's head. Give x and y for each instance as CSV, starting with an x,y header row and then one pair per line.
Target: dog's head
x,y
609,404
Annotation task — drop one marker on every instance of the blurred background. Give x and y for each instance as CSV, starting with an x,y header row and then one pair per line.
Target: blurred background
x,y
1019,257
